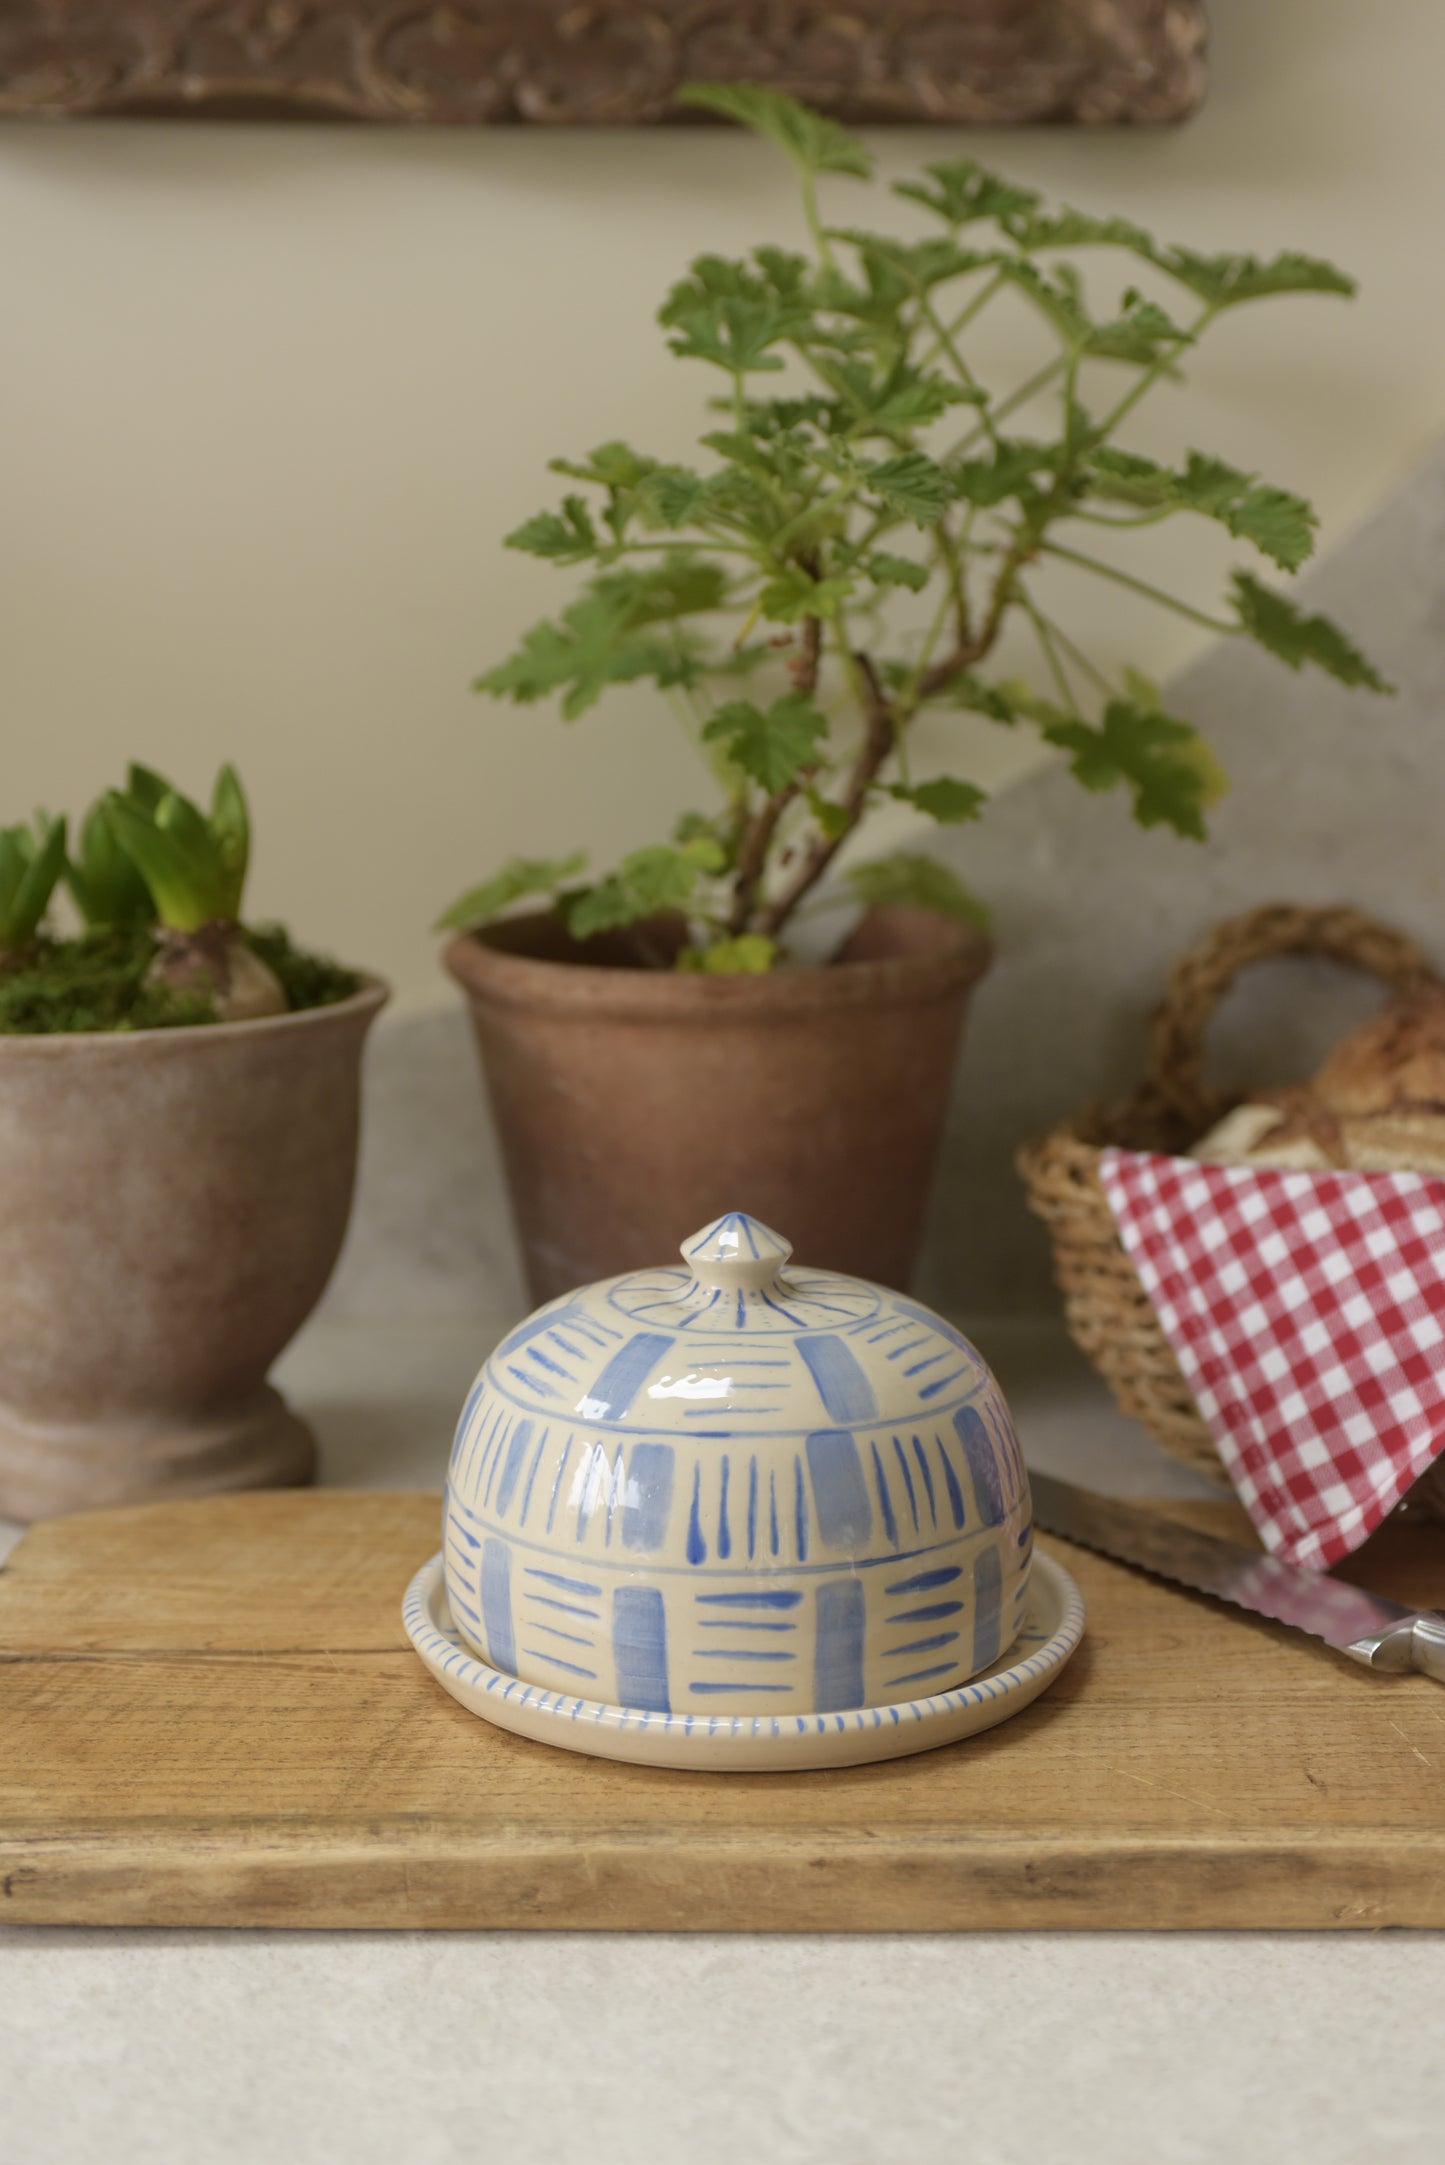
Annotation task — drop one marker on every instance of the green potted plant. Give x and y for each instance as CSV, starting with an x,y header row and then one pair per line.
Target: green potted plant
x,y
870,515
178,1126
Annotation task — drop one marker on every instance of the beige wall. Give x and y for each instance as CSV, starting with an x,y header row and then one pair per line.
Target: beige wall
x,y
273,396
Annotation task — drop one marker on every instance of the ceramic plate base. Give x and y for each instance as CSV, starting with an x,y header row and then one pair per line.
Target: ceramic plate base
x,y
754,1743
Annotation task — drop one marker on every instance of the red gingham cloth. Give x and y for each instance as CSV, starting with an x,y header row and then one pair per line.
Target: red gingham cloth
x,y
1307,1312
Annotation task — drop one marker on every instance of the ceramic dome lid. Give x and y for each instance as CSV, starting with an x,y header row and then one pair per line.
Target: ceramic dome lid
x,y
733,1488
733,1345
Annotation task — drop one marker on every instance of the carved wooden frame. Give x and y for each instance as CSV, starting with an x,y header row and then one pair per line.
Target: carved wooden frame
x,y
600,62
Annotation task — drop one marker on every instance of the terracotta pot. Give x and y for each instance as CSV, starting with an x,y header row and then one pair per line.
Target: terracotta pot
x,y
174,1201
634,1105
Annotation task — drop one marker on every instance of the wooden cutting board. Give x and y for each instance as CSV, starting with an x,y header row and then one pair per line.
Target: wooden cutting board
x,y
209,1716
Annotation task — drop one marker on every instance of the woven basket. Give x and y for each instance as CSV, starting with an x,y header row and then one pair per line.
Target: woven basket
x,y
1107,1309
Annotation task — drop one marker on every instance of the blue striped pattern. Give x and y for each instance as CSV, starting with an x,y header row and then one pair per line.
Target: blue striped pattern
x,y
496,1584
987,1605
517,1443
838,1667
840,1493
978,1450
842,1385
546,1319
647,1498
639,1648
611,1396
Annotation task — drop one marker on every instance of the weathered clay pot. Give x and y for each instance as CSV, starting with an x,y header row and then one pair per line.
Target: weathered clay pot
x,y
171,1205
633,1104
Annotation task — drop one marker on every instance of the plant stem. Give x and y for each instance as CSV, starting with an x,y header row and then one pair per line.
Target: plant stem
x,y
843,494
1125,526
1030,388
760,829
884,721
1050,653
703,541
966,315
971,650
954,603
965,373
815,223
1152,374
1138,586
883,524
1039,381
1076,653
878,742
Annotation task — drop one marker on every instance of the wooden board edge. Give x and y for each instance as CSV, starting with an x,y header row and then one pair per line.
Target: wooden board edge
x,y
414,1877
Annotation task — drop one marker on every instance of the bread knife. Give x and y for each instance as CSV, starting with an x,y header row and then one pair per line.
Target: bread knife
x,y
1386,1636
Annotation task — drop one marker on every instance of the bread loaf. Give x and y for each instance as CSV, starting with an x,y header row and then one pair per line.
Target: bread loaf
x,y
1377,1104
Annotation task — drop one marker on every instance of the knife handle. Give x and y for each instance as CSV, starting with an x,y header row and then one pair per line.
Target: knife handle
x,y
1416,1642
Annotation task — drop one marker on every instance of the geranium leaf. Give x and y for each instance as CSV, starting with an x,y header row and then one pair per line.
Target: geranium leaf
x,y
1078,229
912,483
811,140
833,820
663,877
1008,472
1141,333
963,192
788,274
567,537
794,594
1168,770
920,882
1295,638
1225,280
520,876
917,265
680,584
948,801
737,335
770,746
596,642
672,496
751,954
903,399
885,570
611,466
1280,524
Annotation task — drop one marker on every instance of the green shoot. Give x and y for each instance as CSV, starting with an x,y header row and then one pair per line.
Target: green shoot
x,y
32,860
193,864
104,884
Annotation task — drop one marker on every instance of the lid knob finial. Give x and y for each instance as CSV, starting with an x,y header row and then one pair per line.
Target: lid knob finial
x,y
738,1251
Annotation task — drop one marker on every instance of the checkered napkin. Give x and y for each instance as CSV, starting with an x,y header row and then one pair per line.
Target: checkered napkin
x,y
1307,1312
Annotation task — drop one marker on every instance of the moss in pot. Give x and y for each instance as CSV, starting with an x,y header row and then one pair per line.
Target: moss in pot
x,y
871,518
179,1103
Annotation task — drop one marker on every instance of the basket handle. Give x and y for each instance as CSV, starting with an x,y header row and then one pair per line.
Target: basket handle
x,y
1200,978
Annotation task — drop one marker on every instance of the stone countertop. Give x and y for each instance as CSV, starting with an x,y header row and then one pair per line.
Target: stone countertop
x,y
241,2048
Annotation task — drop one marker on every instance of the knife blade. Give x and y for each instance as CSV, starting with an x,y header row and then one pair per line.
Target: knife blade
x,y
1383,1635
